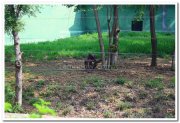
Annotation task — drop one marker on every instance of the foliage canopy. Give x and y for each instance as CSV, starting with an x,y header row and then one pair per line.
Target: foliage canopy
x,y
14,14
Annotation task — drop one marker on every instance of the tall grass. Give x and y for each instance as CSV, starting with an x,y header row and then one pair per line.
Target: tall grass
x,y
80,46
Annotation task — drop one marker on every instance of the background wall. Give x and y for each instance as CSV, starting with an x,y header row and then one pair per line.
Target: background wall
x,y
52,23
165,19
58,21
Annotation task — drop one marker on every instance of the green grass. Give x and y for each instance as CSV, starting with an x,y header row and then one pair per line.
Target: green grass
x,y
107,114
91,105
35,115
142,95
95,81
59,105
80,46
120,81
70,88
9,93
138,113
123,105
67,110
28,93
155,83
40,84
17,109
172,83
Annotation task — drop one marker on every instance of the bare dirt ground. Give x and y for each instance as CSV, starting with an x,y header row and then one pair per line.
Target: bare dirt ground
x,y
75,92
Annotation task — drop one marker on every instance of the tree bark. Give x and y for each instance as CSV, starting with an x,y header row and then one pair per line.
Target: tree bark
x,y
18,69
109,35
153,36
101,44
115,34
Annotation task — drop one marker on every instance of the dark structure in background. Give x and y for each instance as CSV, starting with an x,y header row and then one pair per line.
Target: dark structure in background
x,y
137,26
164,17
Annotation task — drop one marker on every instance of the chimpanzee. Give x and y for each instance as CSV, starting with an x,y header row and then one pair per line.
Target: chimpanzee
x,y
91,62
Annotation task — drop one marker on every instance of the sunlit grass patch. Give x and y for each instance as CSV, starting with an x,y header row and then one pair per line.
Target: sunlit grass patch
x,y
80,46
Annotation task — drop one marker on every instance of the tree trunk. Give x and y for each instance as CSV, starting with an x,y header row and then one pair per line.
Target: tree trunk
x,y
153,36
109,35
115,34
18,69
99,36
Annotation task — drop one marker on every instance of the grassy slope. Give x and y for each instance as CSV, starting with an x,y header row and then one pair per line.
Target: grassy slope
x,y
79,46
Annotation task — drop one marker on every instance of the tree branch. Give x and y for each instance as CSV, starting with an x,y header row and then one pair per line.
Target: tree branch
x,y
18,10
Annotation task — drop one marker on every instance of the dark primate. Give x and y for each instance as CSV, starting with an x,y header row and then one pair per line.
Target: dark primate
x,y
91,62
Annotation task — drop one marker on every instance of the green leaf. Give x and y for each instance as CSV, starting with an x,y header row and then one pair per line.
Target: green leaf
x,y
8,107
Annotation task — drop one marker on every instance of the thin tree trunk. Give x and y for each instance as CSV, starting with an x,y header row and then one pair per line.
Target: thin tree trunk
x,y
153,36
18,69
115,34
99,36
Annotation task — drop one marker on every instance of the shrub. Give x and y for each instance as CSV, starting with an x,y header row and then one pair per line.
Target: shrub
x,y
42,108
13,108
8,107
